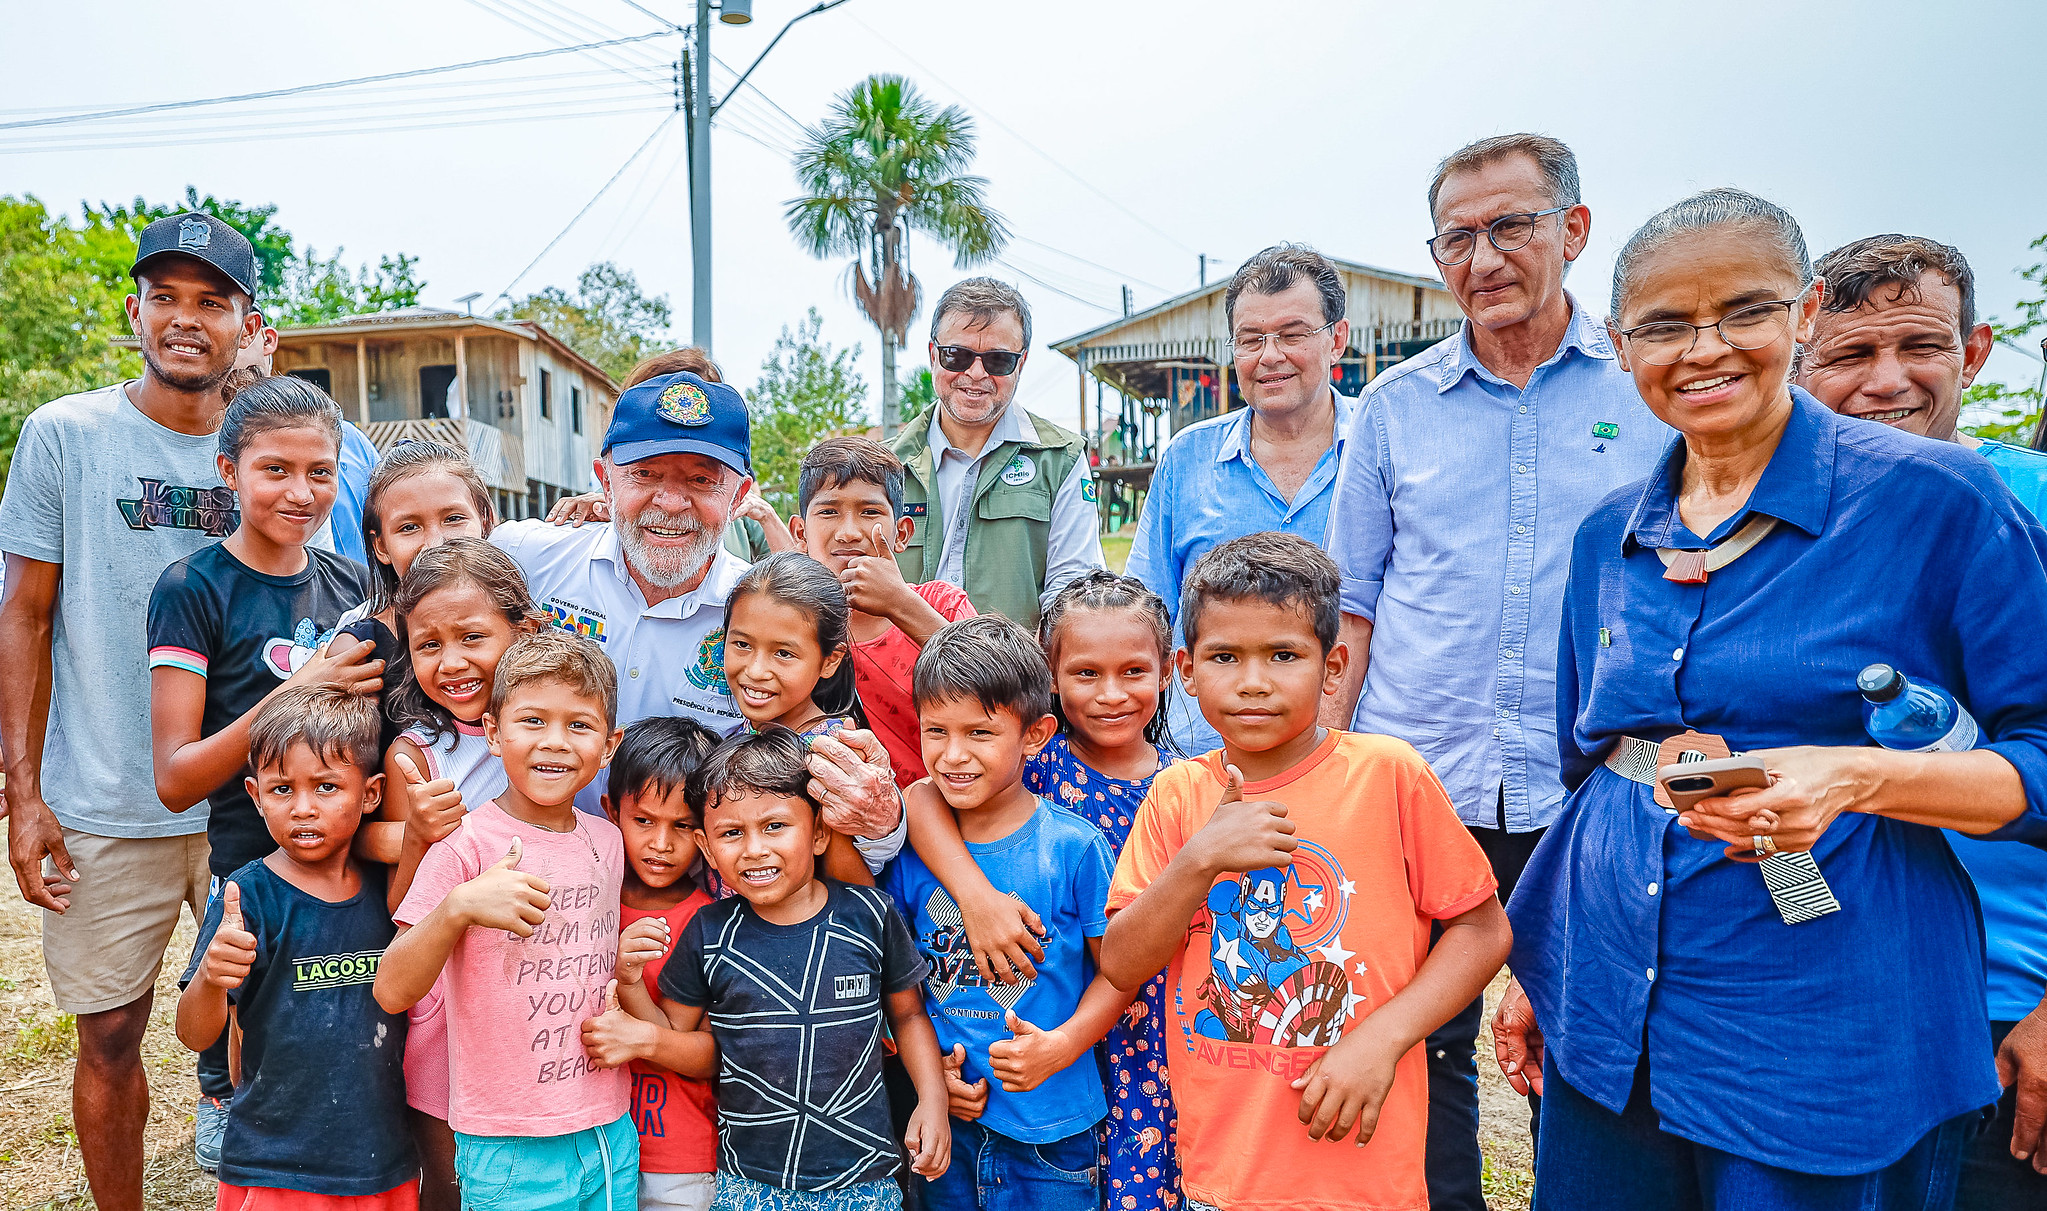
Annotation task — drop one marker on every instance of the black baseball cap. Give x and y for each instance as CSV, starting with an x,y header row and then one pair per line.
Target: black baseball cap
x,y
681,414
203,238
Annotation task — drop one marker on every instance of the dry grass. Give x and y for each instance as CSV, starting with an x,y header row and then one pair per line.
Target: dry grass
x,y
39,1164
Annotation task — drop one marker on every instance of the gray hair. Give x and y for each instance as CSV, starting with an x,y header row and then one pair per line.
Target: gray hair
x,y
1277,268
1559,167
1724,207
983,299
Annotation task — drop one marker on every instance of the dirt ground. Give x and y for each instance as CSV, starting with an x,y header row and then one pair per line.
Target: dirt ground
x,y
39,1163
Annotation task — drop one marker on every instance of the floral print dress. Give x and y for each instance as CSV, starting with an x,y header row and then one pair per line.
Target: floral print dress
x,y
1140,1169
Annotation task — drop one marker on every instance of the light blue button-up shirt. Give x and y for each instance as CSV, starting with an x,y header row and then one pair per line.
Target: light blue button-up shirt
x,y
1455,510
1206,490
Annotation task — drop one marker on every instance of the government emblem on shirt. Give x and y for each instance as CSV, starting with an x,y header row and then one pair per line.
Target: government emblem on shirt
x,y
684,404
1019,472
708,673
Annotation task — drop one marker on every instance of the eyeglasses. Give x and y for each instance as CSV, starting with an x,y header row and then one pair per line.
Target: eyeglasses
x,y
1508,233
1251,344
1665,342
959,359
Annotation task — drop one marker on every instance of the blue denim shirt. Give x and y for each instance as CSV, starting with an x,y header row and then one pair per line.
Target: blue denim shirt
x,y
1206,490
1833,1046
1454,513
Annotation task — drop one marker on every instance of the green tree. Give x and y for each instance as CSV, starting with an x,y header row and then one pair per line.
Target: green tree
x,y
918,392
606,320
807,391
885,163
319,292
2017,409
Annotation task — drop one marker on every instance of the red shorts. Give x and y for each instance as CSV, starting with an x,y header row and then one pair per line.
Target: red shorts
x,y
270,1198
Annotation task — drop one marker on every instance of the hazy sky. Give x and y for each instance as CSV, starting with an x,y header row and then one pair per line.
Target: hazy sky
x,y
1120,139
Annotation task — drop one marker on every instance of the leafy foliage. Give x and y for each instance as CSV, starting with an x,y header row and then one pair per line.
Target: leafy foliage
x,y
885,163
607,319
918,393
320,292
807,391
2017,409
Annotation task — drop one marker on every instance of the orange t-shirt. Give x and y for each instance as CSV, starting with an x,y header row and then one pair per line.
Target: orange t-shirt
x,y
1283,962
881,675
677,1117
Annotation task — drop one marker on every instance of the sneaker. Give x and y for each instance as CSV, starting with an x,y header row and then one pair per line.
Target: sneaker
x,y
209,1128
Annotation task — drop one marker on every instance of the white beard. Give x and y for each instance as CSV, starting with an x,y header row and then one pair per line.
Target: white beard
x,y
666,567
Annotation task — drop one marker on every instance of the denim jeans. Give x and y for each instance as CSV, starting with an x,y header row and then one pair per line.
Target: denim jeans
x,y
1992,1180
991,1172
1595,1160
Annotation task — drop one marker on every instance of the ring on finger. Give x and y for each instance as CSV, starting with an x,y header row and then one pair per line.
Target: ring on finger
x,y
1764,843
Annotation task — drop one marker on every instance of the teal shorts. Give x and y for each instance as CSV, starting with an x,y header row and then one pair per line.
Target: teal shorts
x,y
597,1169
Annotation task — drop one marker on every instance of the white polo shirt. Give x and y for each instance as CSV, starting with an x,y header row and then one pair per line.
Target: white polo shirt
x,y
670,657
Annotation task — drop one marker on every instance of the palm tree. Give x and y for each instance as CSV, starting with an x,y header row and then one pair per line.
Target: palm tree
x,y
886,163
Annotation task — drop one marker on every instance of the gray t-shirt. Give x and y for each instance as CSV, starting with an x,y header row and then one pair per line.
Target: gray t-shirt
x,y
116,498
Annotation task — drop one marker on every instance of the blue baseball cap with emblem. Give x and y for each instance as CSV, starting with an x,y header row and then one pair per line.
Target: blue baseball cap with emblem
x,y
201,237
680,414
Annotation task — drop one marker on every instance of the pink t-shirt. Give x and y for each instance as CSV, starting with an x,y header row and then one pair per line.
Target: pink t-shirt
x,y
516,1005
881,675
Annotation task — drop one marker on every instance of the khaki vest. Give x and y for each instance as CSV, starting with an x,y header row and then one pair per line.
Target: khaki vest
x,y
1006,541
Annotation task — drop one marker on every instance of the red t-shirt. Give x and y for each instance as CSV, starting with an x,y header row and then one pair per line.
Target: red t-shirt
x,y
677,1117
1281,963
881,673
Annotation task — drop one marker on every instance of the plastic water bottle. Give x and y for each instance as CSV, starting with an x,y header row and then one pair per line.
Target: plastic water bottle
x,y
1916,716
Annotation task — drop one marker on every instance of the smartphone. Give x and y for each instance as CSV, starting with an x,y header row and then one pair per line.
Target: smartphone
x,y
1687,783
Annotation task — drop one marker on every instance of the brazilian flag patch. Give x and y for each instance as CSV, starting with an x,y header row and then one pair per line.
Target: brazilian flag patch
x,y
1606,430
1087,489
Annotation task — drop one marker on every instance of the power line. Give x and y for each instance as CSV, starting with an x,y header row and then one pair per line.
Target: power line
x,y
542,27
672,26
648,142
177,140
1045,155
268,94
1071,256
1021,272
331,113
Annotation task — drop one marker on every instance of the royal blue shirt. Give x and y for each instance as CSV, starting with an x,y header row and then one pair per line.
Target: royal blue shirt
x,y
1207,490
1833,1046
1453,515
1059,865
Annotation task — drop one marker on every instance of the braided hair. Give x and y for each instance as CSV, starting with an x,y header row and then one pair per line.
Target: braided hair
x,y
1103,590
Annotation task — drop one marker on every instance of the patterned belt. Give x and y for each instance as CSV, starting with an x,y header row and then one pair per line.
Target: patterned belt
x,y
1796,886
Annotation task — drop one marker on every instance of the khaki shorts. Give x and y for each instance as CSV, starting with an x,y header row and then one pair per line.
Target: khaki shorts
x,y
104,951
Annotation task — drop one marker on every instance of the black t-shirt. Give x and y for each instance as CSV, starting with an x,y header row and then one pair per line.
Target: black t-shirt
x,y
245,632
321,1106
386,647
798,1015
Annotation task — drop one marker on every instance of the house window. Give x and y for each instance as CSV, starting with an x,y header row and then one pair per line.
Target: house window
x,y
323,379
576,409
546,395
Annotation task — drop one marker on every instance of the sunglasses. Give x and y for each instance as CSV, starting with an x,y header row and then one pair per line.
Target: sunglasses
x,y
959,359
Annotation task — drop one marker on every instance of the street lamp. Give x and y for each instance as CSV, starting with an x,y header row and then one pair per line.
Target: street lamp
x,y
702,110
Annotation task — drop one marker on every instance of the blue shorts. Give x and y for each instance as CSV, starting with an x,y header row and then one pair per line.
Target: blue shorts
x,y
737,1193
597,1169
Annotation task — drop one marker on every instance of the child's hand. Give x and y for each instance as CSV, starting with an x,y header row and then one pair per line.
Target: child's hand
x,y
503,897
346,665
1025,1062
929,1140
1347,1086
640,944
965,1101
434,809
233,950
615,1038
1003,933
873,581
1244,836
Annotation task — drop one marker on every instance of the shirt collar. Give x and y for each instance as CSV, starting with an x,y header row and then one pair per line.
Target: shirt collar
x,y
1797,487
1013,426
1236,436
1585,334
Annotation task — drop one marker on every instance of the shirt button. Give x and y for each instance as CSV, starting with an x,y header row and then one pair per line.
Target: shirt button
x,y
1521,529
634,673
1524,407
1652,975
1652,889
1677,654
1515,590
1522,468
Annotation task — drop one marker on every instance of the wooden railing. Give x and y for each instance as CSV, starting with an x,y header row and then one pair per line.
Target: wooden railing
x,y
499,456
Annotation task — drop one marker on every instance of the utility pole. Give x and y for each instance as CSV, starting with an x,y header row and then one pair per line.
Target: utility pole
x,y
700,185
1204,269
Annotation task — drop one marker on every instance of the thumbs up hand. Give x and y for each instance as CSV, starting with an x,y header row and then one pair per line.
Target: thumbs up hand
x,y
502,897
1243,836
1025,1061
433,809
638,945
964,1101
613,1037
233,950
874,583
